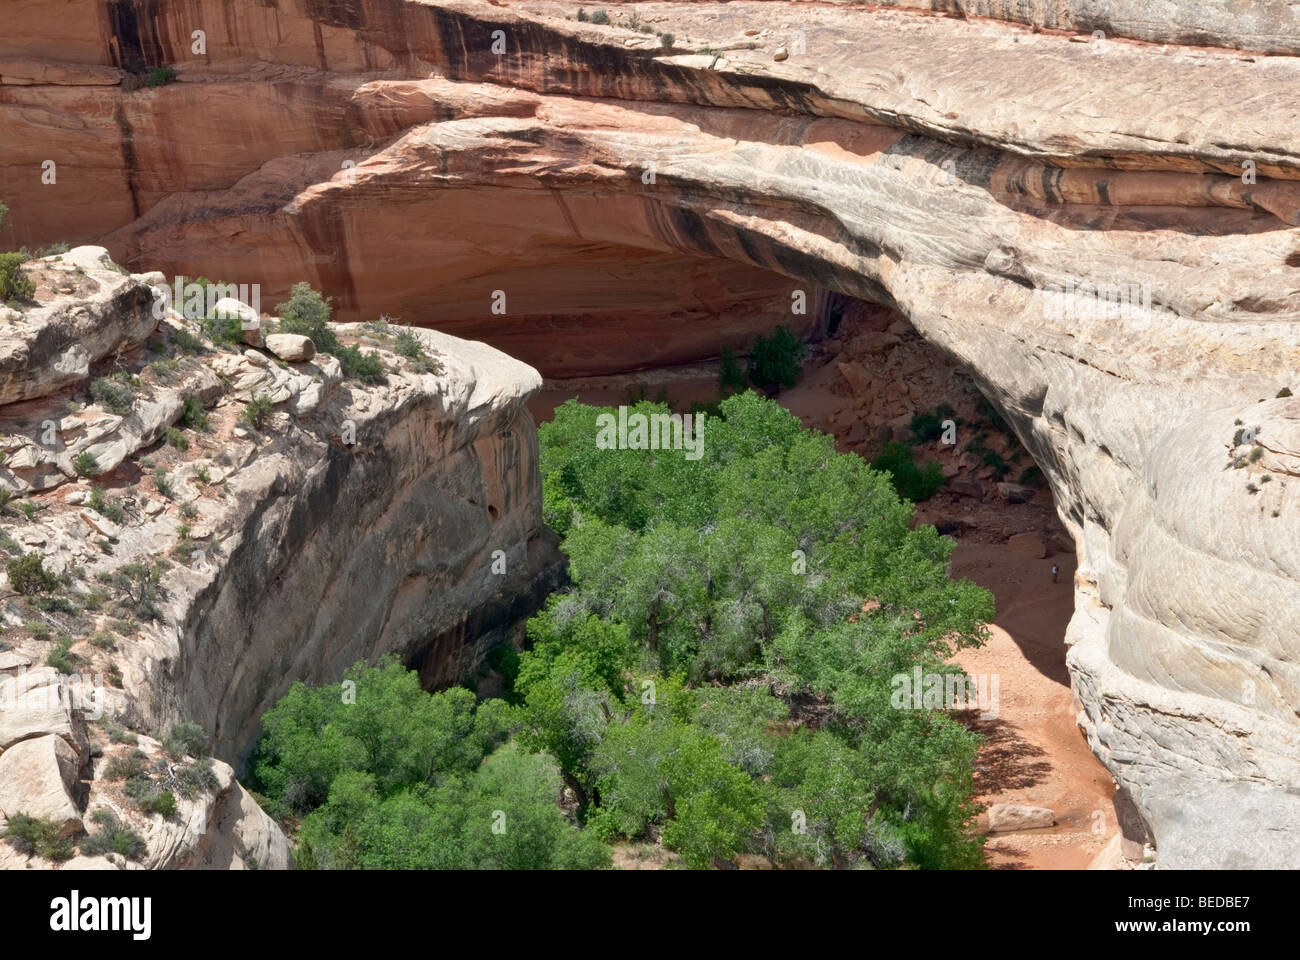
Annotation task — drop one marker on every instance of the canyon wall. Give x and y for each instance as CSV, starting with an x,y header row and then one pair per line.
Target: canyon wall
x,y
1103,232
354,520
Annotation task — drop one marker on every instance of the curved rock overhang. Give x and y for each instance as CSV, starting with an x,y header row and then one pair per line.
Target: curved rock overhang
x,y
1104,233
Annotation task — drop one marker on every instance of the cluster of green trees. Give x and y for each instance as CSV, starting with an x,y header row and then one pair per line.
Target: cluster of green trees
x,y
717,676
386,776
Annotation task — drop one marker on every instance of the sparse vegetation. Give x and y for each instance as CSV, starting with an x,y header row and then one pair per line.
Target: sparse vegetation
x,y
104,507
114,393
185,739
60,658
41,837
139,589
408,345
160,76
193,415
177,439
27,575
113,837
912,482
162,483
85,464
365,367
257,412
15,286
774,361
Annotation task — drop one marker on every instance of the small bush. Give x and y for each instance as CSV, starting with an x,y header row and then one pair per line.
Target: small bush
x,y
185,739
912,482
15,286
600,17
27,575
582,15
160,77
1284,392
991,458
85,464
113,837
55,249
129,766
162,483
103,641
186,342
193,416
163,803
138,587
224,328
103,507
257,412
774,361
41,837
928,426
196,777
59,658
731,379
30,508
1256,453
365,367
118,734
113,393
307,313
408,344
666,40
177,439
38,630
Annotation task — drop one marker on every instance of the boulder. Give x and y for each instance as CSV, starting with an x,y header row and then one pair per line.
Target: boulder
x,y
230,307
101,525
1005,817
36,703
39,778
291,347
1015,492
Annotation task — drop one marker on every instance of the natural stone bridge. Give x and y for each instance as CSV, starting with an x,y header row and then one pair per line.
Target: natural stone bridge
x,y
643,203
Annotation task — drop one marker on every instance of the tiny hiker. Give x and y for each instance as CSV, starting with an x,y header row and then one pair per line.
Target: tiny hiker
x,y
1055,571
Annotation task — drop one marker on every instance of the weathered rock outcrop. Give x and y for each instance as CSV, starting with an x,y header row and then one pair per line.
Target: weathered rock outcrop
x,y
304,520
50,772
1104,233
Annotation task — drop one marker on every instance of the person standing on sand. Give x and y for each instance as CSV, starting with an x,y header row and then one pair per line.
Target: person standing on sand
x,y
1055,571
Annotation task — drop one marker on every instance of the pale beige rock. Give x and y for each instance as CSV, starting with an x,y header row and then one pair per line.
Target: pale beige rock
x,y
1005,817
38,778
291,347
101,525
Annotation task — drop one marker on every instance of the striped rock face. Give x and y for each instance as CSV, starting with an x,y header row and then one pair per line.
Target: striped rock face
x,y
1103,232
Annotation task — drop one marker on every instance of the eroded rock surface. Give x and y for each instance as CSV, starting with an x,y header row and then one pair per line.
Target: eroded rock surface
x,y
1104,233
294,521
